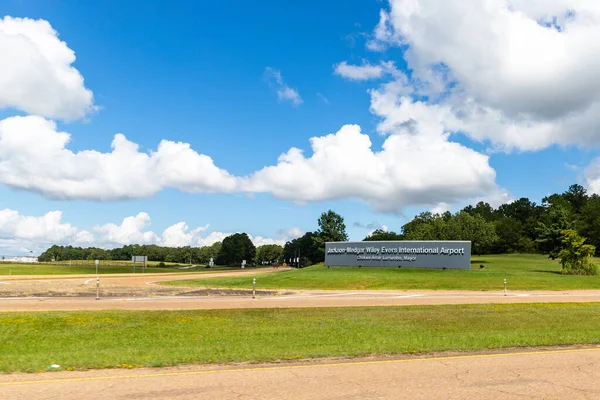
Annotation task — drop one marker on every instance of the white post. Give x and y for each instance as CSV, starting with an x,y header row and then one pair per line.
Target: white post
x,y
253,288
505,286
97,262
97,288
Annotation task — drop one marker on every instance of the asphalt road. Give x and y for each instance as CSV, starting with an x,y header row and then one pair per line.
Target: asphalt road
x,y
557,374
291,300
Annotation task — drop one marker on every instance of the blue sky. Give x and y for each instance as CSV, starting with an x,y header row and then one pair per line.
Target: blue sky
x,y
198,73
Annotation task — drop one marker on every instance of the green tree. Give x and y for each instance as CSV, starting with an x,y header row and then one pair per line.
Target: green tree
x,y
236,248
331,229
589,225
576,256
549,232
427,226
207,252
476,229
461,226
268,253
509,233
483,209
307,246
408,229
577,197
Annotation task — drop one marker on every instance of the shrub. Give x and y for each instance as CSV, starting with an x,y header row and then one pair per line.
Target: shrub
x,y
575,256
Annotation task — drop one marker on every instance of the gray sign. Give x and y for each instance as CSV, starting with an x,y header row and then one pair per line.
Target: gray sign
x,y
405,254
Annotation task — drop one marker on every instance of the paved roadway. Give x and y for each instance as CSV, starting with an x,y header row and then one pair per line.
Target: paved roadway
x,y
557,374
292,300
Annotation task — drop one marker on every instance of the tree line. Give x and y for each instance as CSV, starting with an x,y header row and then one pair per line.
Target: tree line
x,y
521,226
233,250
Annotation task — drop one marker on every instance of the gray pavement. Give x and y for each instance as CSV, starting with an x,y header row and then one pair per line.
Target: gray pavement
x,y
556,374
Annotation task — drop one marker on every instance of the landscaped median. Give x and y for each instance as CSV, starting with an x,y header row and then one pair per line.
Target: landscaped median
x,y
522,272
79,340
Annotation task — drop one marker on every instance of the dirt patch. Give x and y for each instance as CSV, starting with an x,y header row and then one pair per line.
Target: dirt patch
x,y
78,288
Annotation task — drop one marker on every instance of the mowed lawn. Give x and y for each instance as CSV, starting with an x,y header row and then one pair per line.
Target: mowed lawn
x,y
81,340
522,272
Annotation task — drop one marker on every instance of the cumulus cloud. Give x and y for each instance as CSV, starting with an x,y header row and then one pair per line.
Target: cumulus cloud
x,y
20,234
34,156
521,74
284,92
36,72
47,227
179,235
131,231
409,170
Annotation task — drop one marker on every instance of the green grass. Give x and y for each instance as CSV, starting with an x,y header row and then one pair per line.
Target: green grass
x,y
80,340
48,269
523,272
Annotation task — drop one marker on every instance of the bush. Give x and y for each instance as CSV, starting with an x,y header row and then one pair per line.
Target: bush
x,y
575,256
161,265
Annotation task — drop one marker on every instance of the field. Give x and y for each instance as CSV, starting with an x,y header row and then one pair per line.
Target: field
x,y
60,269
522,272
81,340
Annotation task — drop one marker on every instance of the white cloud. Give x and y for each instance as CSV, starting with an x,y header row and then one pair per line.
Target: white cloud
x,y
287,93
36,72
179,235
47,227
366,71
409,170
441,208
284,92
20,234
521,74
382,227
382,34
211,238
131,231
261,241
496,198
34,156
